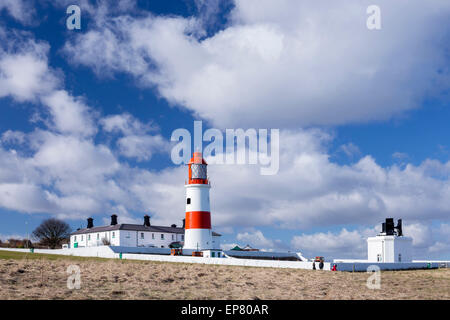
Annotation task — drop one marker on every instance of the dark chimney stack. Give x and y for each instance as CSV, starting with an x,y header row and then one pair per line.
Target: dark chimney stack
x,y
184,223
90,223
390,226
174,226
113,220
146,221
399,228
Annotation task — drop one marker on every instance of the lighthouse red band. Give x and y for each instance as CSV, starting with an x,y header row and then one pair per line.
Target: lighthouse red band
x,y
198,220
198,235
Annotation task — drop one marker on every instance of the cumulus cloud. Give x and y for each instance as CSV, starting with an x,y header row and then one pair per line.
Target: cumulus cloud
x,y
345,244
284,63
60,169
24,70
20,10
257,240
69,114
136,142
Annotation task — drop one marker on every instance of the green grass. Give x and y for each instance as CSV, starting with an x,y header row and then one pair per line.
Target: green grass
x,y
14,255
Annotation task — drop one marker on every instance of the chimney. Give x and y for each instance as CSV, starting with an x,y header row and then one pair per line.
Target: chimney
x,y
184,223
174,226
399,228
389,226
146,221
113,220
90,223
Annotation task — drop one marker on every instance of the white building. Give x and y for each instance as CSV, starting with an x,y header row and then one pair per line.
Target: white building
x,y
390,245
131,235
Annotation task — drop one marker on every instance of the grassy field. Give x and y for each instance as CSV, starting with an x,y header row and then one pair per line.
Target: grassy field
x,y
41,276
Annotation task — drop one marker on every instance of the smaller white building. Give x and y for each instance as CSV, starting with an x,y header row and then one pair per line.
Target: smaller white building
x,y
390,245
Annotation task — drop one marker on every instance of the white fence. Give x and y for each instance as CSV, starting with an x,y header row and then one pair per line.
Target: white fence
x,y
121,252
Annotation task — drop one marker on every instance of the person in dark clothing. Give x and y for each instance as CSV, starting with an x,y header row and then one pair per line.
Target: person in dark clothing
x,y
314,266
321,265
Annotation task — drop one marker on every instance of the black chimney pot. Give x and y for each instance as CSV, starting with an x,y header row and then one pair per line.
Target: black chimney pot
x,y
146,221
113,220
174,226
399,228
389,226
90,223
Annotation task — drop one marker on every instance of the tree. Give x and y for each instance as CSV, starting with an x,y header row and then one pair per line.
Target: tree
x,y
52,232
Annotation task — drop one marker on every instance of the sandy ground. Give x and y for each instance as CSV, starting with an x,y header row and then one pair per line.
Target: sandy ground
x,y
45,277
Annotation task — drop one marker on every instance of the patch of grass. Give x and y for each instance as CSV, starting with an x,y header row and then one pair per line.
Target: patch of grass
x,y
14,255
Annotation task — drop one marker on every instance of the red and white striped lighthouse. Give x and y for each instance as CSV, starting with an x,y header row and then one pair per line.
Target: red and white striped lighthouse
x,y
198,217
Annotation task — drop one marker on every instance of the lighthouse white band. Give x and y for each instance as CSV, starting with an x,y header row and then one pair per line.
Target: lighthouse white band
x,y
198,239
199,197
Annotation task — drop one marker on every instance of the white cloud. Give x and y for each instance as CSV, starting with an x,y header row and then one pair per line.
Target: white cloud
x,y
126,124
19,9
136,142
6,237
69,114
10,136
257,240
345,244
142,147
25,74
284,63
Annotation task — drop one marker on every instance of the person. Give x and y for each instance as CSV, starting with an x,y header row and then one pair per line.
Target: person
x,y
314,266
334,268
321,265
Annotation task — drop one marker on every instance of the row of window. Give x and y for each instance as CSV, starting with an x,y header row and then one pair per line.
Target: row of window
x,y
128,236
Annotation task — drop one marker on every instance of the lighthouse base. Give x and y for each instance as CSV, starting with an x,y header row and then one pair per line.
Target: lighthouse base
x,y
198,239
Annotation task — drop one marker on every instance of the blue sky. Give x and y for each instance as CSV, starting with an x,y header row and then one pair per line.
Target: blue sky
x,y
85,129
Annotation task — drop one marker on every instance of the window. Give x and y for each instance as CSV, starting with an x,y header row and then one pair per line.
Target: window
x,y
75,238
173,237
212,254
182,237
89,237
128,235
142,235
378,257
153,236
98,236
188,201
399,257
113,235
81,238
162,236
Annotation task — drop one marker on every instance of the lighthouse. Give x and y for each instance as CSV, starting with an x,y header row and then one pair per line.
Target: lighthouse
x,y
198,234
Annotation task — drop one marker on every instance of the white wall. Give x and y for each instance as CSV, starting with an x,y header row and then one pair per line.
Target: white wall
x,y
114,252
199,194
216,242
389,247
